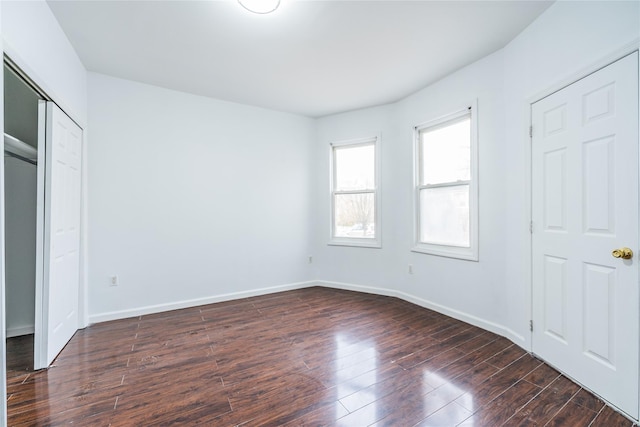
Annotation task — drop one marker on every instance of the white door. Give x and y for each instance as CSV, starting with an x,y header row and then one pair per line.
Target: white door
x,y
57,303
584,206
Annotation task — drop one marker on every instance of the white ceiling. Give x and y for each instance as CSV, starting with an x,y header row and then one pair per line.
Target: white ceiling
x,y
309,57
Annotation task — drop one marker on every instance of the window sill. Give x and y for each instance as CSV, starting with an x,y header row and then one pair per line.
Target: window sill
x,y
358,243
466,254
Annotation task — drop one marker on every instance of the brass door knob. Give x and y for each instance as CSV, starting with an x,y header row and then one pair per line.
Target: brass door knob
x,y
624,253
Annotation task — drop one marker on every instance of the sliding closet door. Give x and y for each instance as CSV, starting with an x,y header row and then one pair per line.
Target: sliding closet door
x,y
61,243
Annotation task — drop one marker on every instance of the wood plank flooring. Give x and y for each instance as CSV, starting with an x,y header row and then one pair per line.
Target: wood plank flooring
x,y
310,357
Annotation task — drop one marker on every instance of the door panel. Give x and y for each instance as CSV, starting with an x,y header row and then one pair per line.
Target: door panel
x,y
599,184
584,205
555,290
555,200
61,252
599,297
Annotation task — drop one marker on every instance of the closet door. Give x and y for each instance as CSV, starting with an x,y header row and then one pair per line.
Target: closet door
x,y
61,243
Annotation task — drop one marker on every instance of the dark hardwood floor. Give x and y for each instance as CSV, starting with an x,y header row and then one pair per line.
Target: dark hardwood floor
x,y
19,356
310,357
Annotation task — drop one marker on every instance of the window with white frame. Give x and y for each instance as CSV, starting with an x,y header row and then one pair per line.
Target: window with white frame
x,y
446,190
354,193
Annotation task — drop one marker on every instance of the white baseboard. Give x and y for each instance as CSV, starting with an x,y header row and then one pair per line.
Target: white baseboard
x,y
456,314
18,331
151,309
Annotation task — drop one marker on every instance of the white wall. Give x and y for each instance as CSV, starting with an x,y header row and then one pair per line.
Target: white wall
x,y
494,292
192,198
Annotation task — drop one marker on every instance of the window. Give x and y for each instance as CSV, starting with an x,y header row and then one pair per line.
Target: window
x,y
446,191
354,193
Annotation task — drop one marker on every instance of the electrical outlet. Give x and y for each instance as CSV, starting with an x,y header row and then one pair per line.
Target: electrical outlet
x,y
410,268
114,281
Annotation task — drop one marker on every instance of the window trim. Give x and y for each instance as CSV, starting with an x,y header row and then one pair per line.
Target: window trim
x,y
364,242
471,253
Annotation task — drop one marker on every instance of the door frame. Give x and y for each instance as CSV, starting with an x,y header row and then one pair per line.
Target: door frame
x,y
39,330
528,167
40,342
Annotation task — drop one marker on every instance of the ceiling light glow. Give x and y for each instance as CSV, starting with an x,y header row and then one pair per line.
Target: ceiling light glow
x,y
261,7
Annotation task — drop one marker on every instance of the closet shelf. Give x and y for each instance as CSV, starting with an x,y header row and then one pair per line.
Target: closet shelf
x,y
15,146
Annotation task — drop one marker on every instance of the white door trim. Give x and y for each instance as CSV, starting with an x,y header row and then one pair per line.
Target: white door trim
x,y
40,332
573,77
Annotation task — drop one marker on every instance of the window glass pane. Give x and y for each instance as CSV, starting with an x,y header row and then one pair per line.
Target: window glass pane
x,y
446,152
355,167
354,215
444,215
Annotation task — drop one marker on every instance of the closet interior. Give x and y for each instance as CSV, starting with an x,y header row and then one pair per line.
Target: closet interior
x,y
20,198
